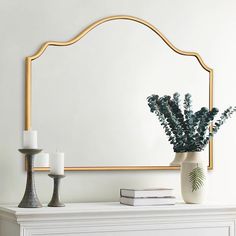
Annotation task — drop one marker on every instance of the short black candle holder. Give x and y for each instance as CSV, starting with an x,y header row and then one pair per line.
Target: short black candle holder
x,y
30,198
55,201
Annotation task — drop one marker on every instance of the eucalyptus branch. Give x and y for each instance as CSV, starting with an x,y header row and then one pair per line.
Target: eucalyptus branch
x,y
188,113
154,108
187,131
224,116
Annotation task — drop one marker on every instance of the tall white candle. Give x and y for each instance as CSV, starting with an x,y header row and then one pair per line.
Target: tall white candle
x,y
41,160
57,163
30,139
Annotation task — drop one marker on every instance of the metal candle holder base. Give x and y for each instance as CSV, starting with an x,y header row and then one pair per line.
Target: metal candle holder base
x,y
55,201
30,198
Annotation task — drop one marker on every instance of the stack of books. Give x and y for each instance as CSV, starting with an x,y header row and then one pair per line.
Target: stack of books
x,y
147,197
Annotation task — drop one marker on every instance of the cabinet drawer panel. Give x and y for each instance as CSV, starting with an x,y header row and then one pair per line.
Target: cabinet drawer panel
x,y
184,229
224,231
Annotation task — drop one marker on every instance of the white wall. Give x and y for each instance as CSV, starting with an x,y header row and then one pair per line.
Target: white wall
x,y
207,27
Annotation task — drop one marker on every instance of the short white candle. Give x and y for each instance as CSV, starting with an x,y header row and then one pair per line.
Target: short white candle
x,y
57,163
41,160
30,139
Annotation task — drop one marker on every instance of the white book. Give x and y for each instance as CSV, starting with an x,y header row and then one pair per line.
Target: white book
x,y
148,201
158,192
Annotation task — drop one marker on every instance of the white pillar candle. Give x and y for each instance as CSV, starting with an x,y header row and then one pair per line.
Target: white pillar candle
x,y
30,139
41,160
57,163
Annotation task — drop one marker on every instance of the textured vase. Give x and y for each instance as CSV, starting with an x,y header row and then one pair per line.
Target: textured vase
x,y
179,158
194,178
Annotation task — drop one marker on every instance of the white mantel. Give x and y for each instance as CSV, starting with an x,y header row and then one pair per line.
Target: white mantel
x,y
108,219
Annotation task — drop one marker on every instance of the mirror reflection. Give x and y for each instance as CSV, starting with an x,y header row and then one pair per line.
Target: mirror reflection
x,y
89,99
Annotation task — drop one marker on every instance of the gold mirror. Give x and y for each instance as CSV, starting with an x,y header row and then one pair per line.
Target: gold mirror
x,y
88,97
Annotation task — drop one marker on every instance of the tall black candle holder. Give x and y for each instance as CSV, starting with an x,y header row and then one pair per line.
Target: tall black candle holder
x,y
30,198
55,201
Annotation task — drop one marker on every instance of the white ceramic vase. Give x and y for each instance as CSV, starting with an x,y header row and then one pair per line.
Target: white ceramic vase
x,y
194,178
179,158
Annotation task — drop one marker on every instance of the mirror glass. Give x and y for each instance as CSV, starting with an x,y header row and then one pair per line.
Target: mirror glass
x,y
89,98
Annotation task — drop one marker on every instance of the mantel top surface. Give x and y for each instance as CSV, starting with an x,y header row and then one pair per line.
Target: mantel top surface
x,y
103,218
112,207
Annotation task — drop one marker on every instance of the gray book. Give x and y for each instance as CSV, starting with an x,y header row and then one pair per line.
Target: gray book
x,y
148,201
157,192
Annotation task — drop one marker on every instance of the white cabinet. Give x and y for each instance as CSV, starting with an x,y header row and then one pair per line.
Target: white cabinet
x,y
113,219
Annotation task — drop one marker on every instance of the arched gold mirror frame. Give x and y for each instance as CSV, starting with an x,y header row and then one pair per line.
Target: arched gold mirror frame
x,y
28,92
